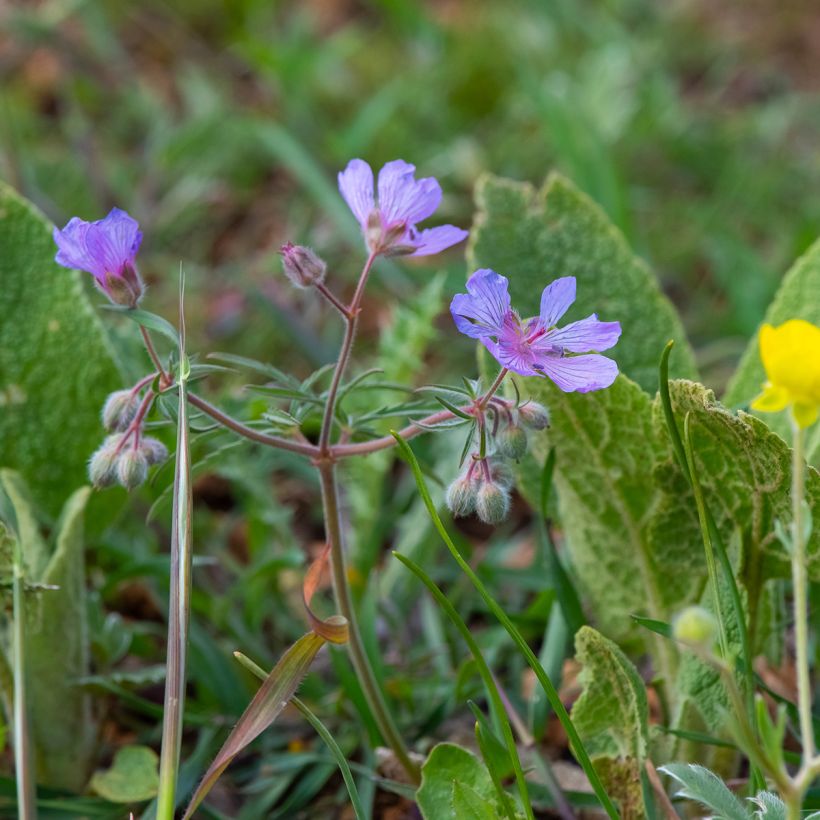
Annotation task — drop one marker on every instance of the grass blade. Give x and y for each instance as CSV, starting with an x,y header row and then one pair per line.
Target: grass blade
x,y
268,703
483,670
324,733
551,693
180,593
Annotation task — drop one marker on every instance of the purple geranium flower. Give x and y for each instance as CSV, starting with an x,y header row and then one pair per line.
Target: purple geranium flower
x,y
389,225
107,250
536,347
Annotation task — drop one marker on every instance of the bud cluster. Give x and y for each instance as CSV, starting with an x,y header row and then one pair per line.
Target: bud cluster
x,y
126,454
484,485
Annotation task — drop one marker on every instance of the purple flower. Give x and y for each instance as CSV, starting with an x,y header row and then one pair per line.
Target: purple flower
x,y
389,223
536,347
106,249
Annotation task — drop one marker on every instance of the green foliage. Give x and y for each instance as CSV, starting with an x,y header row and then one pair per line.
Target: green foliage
x,y
533,237
63,730
132,778
612,717
55,362
455,785
698,783
796,299
606,451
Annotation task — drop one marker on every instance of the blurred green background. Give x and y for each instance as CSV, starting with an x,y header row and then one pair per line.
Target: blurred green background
x,y
221,126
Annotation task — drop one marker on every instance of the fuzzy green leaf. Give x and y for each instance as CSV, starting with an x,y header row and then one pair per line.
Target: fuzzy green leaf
x,y
606,450
55,363
698,783
533,237
451,780
132,778
63,731
612,717
797,298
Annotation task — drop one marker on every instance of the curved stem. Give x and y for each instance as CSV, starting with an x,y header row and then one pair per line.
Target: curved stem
x,y
331,297
248,432
152,351
358,654
344,357
482,403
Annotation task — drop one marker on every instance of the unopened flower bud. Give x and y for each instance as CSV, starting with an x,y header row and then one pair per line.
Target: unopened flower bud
x,y
154,450
695,626
511,441
534,415
119,410
461,496
501,473
132,468
102,466
302,266
492,503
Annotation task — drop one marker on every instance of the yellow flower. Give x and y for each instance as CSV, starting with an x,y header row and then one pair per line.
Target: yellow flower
x,y
791,357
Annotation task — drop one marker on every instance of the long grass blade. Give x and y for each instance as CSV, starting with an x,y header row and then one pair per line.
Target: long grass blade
x,y
180,593
483,670
550,691
268,703
324,733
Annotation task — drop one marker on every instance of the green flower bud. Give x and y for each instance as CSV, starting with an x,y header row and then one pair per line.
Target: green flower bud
x,y
492,503
102,466
501,473
461,496
534,415
154,450
511,441
132,468
696,627
119,410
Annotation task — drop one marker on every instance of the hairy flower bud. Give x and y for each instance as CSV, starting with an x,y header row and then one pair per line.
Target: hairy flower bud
x,y
154,450
132,468
119,410
492,503
461,496
501,473
302,266
102,466
534,415
511,441
695,626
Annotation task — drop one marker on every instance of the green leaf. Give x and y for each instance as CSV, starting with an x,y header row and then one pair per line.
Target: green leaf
x,y
446,775
612,716
745,473
266,706
132,778
770,806
698,783
797,298
606,449
63,731
55,361
150,321
533,237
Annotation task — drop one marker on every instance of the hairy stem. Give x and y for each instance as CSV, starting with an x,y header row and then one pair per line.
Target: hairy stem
x,y
358,655
800,597
344,356
248,432
152,351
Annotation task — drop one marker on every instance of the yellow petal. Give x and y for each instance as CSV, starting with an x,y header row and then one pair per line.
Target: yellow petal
x,y
791,357
804,414
773,399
